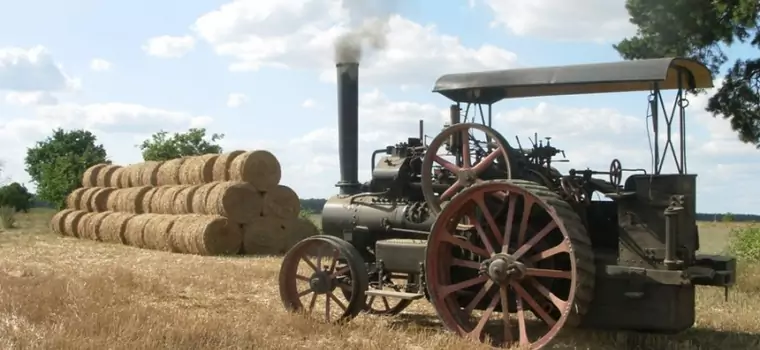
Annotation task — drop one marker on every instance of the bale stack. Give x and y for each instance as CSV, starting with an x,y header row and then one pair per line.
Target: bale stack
x,y
211,204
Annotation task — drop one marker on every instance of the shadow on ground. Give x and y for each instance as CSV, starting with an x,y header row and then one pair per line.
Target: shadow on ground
x,y
694,338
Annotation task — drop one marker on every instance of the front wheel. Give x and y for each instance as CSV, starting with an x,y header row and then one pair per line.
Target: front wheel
x,y
314,270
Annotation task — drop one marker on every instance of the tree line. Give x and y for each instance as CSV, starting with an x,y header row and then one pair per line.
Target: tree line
x,y
56,164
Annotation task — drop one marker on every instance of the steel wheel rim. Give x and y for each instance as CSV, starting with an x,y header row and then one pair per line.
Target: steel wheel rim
x,y
438,264
431,156
338,265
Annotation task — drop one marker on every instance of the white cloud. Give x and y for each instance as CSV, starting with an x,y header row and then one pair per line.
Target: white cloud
x,y
35,98
578,20
589,136
32,69
236,100
118,126
100,65
166,46
301,33
119,118
308,103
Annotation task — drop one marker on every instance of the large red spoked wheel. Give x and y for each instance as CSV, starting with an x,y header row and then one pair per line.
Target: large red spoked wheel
x,y
468,174
526,250
315,270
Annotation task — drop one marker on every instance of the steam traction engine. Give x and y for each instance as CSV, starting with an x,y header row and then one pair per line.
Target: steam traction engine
x,y
501,243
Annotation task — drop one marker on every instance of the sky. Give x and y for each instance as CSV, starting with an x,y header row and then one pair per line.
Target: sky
x,y
262,73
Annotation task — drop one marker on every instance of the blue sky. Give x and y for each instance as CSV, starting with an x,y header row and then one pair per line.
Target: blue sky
x,y
172,65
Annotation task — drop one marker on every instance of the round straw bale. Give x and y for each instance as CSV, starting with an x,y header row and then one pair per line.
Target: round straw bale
x,y
264,236
90,176
282,202
154,207
133,199
186,170
72,221
180,235
135,230
115,180
183,202
165,203
57,221
127,175
198,170
93,225
148,198
81,225
85,202
115,198
105,175
156,233
259,168
201,196
238,201
298,230
99,199
228,241
205,172
135,176
75,197
222,165
168,172
149,173
114,226
205,235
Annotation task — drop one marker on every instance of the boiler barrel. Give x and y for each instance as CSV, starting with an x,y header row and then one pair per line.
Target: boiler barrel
x,y
341,215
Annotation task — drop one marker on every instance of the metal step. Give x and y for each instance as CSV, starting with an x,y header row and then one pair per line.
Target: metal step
x,y
393,294
620,195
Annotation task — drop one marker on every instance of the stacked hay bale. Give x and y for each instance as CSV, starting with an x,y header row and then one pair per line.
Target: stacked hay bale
x,y
211,204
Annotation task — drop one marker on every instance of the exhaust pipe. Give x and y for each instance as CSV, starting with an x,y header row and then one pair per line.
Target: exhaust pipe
x,y
348,127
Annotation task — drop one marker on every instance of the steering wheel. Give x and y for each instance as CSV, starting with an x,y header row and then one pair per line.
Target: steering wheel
x,y
616,172
468,174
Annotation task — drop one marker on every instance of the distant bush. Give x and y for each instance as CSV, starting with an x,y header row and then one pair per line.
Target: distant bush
x,y
16,196
7,217
744,242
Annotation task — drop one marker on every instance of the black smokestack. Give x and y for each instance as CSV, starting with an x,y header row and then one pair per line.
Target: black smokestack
x,y
348,127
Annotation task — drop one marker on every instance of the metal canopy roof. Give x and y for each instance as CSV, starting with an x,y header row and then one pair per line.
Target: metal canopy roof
x,y
638,75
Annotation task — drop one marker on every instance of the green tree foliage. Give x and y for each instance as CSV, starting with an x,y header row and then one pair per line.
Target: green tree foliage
x,y
57,164
313,205
703,29
16,196
162,147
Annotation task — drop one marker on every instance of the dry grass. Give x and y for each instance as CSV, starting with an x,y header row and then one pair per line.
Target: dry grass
x,y
65,293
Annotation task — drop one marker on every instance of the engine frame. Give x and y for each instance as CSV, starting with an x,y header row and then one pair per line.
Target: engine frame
x,y
644,241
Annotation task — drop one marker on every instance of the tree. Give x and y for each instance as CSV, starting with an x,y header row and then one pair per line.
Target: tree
x,y
58,163
191,143
702,29
17,196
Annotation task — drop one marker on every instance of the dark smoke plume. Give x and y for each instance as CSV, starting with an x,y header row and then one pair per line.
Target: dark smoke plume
x,y
368,25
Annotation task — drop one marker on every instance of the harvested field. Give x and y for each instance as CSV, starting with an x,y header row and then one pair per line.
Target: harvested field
x,y
107,296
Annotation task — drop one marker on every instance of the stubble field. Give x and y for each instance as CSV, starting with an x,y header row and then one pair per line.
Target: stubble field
x,y
64,293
